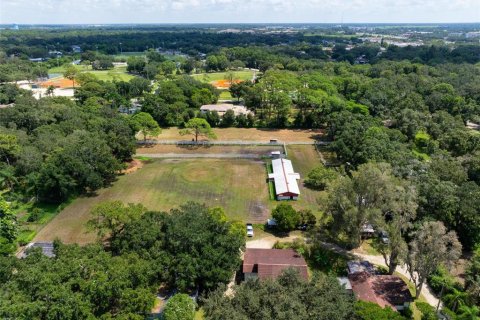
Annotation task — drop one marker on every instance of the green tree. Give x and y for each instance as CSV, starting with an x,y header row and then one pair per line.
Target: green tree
x,y
286,216
50,90
203,96
71,73
143,122
168,67
109,218
198,127
366,197
431,247
179,307
8,228
287,298
228,119
472,276
319,177
183,261
9,147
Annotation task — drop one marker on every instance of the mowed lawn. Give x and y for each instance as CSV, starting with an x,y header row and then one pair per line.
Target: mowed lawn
x,y
239,186
304,159
249,134
117,73
215,76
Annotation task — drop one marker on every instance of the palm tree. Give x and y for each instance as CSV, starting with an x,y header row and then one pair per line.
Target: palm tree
x,y
467,313
7,178
456,299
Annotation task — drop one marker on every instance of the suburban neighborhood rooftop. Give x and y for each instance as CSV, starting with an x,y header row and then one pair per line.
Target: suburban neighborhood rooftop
x,y
270,263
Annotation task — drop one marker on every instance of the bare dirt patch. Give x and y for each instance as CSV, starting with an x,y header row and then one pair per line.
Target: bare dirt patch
x,y
191,149
133,166
251,134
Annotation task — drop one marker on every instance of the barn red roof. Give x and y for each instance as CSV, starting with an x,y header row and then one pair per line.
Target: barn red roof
x,y
269,263
384,290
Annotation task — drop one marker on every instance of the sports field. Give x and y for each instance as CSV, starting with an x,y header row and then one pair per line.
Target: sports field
x,y
117,73
236,185
250,134
243,75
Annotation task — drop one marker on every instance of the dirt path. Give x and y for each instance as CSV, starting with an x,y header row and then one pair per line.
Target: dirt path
x,y
268,241
200,155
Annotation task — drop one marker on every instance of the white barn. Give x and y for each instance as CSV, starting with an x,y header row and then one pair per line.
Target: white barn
x,y
285,180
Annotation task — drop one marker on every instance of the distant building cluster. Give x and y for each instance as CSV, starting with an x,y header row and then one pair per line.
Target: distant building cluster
x,y
221,109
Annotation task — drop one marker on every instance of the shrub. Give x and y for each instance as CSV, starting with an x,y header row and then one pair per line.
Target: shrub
x,y
179,307
428,312
34,215
372,311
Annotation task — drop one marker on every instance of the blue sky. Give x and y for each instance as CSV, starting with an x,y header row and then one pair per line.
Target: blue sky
x,y
226,11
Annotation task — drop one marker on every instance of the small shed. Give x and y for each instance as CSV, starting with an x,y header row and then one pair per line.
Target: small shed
x,y
345,283
46,247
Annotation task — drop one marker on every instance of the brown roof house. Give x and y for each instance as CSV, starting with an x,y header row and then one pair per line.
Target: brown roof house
x,y
384,290
270,263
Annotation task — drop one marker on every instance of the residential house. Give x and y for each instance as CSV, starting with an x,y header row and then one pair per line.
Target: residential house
x,y
270,263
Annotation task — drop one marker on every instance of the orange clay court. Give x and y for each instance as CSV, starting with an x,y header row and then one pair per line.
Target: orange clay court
x,y
60,83
224,83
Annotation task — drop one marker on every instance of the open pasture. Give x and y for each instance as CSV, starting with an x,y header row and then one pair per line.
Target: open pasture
x,y
236,185
243,75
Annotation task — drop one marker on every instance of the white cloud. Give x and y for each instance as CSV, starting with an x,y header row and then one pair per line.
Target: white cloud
x,y
191,11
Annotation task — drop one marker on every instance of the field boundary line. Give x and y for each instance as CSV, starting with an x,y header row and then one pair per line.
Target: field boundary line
x,y
200,155
230,143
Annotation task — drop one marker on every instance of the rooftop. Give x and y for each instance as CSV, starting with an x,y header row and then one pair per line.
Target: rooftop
x,y
222,108
270,263
285,178
384,290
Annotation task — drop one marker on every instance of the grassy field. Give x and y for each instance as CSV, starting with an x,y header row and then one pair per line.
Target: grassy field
x,y
225,95
61,69
214,76
237,185
249,134
304,159
117,73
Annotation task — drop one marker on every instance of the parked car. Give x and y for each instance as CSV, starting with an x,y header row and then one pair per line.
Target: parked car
x,y
249,230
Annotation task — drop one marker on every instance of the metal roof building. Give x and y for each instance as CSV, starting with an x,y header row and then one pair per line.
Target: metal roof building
x,y
221,109
285,180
